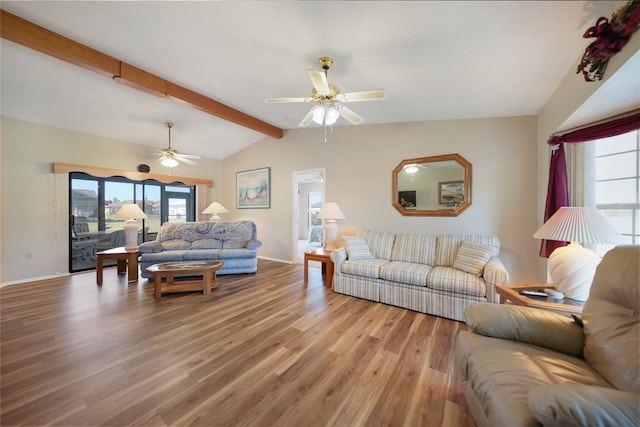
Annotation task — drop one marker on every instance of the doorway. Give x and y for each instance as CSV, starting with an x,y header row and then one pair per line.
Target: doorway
x,y
309,197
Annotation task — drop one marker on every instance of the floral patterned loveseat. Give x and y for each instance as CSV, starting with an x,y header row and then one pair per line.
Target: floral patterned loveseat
x,y
235,243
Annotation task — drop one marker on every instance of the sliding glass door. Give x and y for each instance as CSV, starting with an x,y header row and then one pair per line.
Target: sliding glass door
x,y
94,202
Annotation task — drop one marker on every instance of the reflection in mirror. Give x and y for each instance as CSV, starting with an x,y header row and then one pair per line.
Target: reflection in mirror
x,y
432,186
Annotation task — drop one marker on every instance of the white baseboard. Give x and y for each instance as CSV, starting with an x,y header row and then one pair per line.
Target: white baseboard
x,y
34,279
284,261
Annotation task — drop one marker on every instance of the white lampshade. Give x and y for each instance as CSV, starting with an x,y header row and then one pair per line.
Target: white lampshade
x,y
215,208
318,114
131,212
330,212
572,267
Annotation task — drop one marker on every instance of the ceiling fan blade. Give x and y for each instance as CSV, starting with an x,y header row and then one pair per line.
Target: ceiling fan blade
x,y
280,100
367,95
184,160
319,81
307,119
351,115
188,156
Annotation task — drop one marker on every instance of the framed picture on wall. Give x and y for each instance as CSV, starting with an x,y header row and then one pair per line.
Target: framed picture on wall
x,y
253,189
451,193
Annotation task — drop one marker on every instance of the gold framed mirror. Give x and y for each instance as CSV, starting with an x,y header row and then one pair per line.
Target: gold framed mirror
x,y
432,186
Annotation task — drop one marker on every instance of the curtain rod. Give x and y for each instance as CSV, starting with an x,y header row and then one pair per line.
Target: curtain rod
x,y
597,122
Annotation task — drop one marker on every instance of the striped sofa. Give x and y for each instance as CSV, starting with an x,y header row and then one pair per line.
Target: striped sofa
x,y
433,274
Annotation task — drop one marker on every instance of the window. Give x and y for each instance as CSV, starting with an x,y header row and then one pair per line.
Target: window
x,y
615,186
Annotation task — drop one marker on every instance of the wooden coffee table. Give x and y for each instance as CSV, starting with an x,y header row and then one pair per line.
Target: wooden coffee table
x,y
511,294
124,258
169,270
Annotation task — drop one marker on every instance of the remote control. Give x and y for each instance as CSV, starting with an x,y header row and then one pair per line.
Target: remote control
x,y
534,293
554,294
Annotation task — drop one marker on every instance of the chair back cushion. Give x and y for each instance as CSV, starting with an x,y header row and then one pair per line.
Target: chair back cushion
x,y
611,318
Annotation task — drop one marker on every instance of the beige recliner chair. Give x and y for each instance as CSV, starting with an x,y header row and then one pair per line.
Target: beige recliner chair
x,y
522,366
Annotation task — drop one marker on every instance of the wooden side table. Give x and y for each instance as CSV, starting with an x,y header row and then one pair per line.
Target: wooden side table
x,y
511,293
123,257
327,265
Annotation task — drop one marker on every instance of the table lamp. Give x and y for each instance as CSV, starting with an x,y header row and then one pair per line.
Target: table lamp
x,y
131,212
330,213
215,208
572,267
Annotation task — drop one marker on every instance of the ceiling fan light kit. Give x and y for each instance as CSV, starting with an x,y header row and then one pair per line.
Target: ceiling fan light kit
x,y
171,158
330,100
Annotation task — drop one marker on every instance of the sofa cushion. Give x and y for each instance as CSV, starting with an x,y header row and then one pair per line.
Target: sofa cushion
x,y
236,253
206,244
357,248
447,246
380,242
417,248
176,245
472,257
164,256
201,254
451,280
405,272
363,267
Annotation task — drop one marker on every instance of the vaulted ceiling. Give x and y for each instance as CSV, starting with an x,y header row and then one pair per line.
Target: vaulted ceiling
x,y
436,60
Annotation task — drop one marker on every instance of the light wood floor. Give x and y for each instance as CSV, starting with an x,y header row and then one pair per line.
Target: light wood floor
x,y
262,349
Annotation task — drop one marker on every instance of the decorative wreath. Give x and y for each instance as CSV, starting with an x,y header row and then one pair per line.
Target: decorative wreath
x,y
611,36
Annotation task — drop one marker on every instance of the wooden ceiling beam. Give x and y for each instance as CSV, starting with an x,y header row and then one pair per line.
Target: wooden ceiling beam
x,y
40,39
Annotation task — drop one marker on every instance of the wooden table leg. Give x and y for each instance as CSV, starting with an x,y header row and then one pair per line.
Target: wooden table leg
x,y
122,265
133,267
306,269
157,285
329,276
206,285
99,270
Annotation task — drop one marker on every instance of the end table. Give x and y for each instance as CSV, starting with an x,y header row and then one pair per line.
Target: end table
x,y
123,257
322,256
512,294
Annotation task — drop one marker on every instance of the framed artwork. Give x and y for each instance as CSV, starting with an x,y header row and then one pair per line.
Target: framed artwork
x,y
253,189
451,193
407,199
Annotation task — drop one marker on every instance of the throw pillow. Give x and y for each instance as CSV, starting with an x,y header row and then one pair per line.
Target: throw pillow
x,y
472,257
357,248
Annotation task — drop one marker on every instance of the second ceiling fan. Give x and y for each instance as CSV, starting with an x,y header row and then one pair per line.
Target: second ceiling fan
x,y
329,98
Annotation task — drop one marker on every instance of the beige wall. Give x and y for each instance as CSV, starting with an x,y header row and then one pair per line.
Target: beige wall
x,y
35,201
359,161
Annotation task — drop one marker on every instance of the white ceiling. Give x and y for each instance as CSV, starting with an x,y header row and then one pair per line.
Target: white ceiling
x,y
436,59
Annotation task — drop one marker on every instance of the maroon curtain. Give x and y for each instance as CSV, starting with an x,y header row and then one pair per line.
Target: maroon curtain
x,y
558,191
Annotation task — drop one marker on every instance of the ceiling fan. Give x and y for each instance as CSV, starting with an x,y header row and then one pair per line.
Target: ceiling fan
x,y
170,157
329,98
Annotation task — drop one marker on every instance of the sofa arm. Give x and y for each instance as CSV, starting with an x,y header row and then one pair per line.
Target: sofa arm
x,y
581,405
338,256
254,244
150,247
494,274
526,324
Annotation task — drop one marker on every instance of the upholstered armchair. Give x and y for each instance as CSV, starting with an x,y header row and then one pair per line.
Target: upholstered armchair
x,y
527,366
